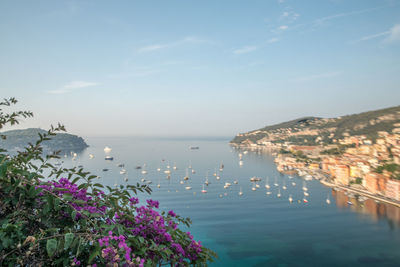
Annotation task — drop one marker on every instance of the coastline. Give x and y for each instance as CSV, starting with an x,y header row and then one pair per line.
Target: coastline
x,y
321,176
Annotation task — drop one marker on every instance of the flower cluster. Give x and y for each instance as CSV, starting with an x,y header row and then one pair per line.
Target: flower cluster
x,y
147,223
64,186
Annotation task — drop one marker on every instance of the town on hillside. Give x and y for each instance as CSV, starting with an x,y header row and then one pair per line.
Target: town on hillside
x,y
359,151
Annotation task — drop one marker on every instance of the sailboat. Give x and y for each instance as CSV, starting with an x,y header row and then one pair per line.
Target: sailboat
x,y
267,183
159,185
293,183
304,186
279,193
305,200
240,162
193,171
203,191
215,172
221,167
190,164
187,175
122,171
284,186
240,192
207,182
144,169
276,182
328,201
306,194
91,156
290,199
174,166
235,182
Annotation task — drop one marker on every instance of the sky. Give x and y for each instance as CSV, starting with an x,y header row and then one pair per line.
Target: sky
x,y
196,68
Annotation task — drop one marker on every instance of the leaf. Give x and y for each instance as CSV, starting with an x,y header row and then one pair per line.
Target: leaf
x,y
68,240
51,247
93,254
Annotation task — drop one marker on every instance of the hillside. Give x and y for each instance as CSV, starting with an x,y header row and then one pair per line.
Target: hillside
x,y
16,140
314,130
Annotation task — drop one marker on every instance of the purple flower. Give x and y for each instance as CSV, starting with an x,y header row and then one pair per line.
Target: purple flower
x,y
171,213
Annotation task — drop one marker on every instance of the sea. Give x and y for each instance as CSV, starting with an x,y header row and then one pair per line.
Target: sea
x,y
255,228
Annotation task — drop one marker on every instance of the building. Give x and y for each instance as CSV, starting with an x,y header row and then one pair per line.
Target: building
x,y
342,174
393,189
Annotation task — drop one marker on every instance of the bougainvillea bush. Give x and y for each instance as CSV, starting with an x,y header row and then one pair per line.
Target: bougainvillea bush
x,y
68,218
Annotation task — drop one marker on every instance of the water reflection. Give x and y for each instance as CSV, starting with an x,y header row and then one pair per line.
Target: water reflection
x,y
374,209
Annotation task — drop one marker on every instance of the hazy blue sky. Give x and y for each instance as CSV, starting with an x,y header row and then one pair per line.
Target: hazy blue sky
x,y
197,67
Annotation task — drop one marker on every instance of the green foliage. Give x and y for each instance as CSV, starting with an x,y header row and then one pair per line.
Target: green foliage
x,y
45,224
358,181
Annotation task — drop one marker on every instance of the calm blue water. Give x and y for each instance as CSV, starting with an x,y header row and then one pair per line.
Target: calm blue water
x,y
254,229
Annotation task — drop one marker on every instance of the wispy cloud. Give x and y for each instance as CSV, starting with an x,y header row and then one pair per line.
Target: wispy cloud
x,y
272,40
283,27
346,14
244,50
183,41
393,35
289,16
318,76
74,85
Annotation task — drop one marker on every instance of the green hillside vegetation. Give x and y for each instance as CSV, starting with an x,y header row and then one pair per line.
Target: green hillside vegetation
x,y
366,123
16,140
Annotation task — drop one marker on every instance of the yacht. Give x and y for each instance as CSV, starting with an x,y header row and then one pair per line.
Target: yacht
x,y
305,200
328,201
255,179
235,182
167,171
268,193
109,158
240,162
107,149
279,193
290,199
123,171
175,168
293,183
276,182
105,169
203,190
305,186
158,169
91,156
182,182
284,186
193,171
240,192
188,187
186,176
253,188
306,194
267,183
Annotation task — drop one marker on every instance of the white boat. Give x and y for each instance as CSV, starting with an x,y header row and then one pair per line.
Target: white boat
x,y
203,191
217,177
91,156
245,152
257,185
267,183
235,182
290,199
182,182
126,179
228,184
175,168
158,185
215,173
123,171
240,156
240,162
207,182
293,183
158,169
107,150
276,181
305,186
167,171
279,193
290,177
193,171
305,200
308,177
284,186
328,201
253,188
221,167
144,172
306,194
268,193
190,164
240,192
188,187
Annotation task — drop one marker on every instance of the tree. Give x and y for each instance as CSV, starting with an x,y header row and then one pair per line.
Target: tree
x,y
68,218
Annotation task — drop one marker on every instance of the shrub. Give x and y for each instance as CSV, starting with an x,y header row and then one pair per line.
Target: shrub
x,y
67,218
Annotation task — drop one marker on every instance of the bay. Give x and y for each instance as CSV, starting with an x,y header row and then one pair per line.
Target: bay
x,y
254,229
